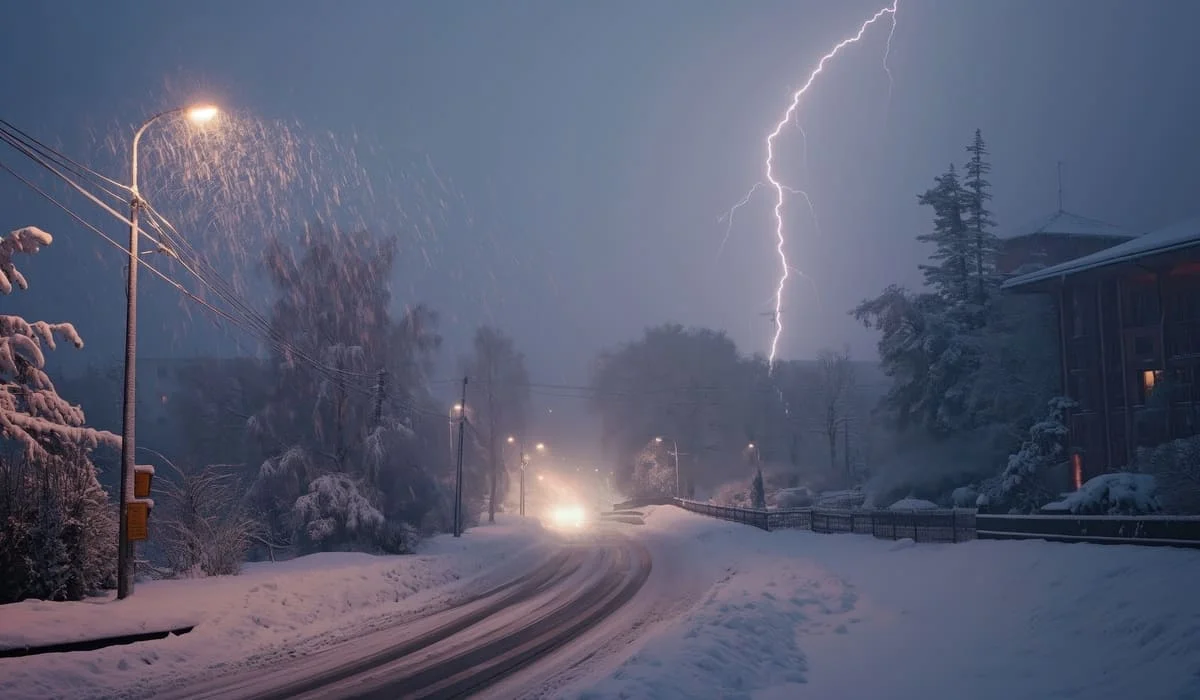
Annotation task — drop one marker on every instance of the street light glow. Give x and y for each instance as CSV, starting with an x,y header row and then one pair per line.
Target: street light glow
x,y
658,439
750,446
541,446
458,407
202,113
511,439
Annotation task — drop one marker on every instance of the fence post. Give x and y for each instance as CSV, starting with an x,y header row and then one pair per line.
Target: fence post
x,y
954,525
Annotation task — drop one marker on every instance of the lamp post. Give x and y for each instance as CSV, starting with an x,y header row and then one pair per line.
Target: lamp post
x,y
125,553
675,453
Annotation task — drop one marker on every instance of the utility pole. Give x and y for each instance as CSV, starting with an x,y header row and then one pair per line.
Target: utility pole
x,y
125,549
524,462
458,477
380,395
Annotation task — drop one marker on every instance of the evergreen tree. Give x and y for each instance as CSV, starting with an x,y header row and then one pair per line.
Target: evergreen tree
x,y
951,271
978,219
758,493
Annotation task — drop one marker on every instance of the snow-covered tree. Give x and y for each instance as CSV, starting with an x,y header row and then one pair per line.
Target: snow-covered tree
x,y
335,512
1023,486
758,493
501,403
978,219
654,472
57,531
335,427
950,271
837,381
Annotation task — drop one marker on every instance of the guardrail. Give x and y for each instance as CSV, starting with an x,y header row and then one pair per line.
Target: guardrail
x,y
960,525
918,525
1146,530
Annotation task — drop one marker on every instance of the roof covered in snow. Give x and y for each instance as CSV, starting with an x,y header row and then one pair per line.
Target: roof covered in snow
x,y
1178,236
1064,223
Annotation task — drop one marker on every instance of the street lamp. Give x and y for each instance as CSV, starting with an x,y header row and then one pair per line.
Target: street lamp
x,y
524,461
197,114
675,452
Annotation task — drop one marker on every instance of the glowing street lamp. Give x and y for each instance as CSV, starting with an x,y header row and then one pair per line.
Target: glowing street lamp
x,y
197,114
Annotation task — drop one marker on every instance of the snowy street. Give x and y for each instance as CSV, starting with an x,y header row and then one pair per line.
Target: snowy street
x,y
727,611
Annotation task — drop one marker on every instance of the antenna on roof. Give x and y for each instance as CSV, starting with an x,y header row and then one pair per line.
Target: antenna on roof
x,y
1060,206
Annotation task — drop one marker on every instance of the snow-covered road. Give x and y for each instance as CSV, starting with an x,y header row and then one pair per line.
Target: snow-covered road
x,y
734,612
727,611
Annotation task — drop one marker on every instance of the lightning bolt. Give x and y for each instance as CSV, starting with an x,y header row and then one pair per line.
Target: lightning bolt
x,y
779,187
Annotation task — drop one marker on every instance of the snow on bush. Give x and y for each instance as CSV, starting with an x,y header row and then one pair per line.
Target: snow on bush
x,y
913,504
1123,493
799,497
1021,487
964,497
206,527
335,511
1176,469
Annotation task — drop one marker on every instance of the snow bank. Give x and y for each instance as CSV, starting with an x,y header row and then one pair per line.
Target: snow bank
x,y
1122,493
270,611
795,615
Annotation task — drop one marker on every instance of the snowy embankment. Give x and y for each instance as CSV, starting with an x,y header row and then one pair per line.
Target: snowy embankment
x,y
269,612
792,614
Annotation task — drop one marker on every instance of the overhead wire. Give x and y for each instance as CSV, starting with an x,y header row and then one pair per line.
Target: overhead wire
x,y
262,326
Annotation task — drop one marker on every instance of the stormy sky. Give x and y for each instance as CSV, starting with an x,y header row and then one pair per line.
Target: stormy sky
x,y
578,155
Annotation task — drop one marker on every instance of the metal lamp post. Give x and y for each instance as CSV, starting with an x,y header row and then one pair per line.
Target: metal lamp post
x,y
674,453
524,458
125,551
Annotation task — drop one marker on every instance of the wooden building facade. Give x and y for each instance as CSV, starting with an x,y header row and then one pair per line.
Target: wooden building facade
x,y
1129,338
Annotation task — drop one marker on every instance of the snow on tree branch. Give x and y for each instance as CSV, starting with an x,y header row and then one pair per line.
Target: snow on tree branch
x,y
31,411
27,240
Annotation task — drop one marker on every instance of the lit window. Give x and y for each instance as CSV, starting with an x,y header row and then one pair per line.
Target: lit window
x,y
1150,377
1077,470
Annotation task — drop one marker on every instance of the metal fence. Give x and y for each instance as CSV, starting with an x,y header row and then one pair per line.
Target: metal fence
x,y
918,525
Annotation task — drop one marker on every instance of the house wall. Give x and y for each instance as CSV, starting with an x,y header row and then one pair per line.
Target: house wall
x,y
1131,356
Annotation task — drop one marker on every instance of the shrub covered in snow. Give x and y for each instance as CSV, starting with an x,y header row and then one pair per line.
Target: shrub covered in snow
x,y
799,497
1176,468
913,504
1021,487
1122,493
335,512
206,527
964,497
57,530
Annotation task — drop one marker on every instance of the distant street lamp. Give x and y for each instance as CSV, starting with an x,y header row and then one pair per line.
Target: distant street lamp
x,y
524,462
675,453
198,114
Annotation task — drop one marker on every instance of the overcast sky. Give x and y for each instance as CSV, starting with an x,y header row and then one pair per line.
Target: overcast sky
x,y
587,149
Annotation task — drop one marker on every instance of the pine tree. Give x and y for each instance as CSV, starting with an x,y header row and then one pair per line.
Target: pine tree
x,y
978,219
951,271
758,493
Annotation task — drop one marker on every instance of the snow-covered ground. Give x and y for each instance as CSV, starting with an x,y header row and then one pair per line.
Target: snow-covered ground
x,y
269,612
799,615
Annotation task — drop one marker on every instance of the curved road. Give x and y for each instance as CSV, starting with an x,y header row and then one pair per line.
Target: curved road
x,y
456,652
